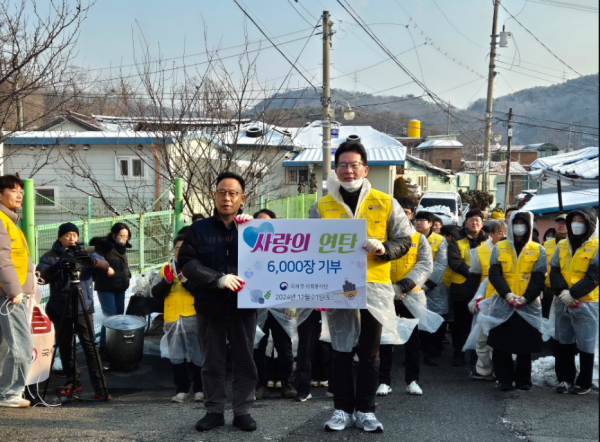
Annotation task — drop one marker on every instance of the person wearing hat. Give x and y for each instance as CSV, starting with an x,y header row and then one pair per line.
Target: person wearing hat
x,y
50,273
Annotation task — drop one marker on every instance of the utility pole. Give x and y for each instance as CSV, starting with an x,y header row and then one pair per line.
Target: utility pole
x,y
490,100
326,100
508,152
20,124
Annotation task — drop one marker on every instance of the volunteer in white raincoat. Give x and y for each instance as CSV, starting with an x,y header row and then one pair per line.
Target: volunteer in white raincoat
x,y
574,315
180,342
515,325
388,230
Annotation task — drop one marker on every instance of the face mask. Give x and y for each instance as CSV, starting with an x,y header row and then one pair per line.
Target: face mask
x,y
549,238
352,186
121,241
578,228
520,229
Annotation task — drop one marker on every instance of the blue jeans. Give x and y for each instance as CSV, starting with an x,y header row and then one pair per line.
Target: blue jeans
x,y
16,348
112,303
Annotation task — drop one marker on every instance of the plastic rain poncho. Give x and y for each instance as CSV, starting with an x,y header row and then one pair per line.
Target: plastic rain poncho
x,y
288,323
575,325
344,325
437,298
484,311
499,309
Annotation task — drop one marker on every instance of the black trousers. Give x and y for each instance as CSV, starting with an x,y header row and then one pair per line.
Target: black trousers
x,y
411,353
506,371
283,345
181,377
431,343
321,363
547,302
309,333
363,399
565,366
65,338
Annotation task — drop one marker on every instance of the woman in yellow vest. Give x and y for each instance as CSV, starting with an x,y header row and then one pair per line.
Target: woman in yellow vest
x,y
574,279
517,272
180,342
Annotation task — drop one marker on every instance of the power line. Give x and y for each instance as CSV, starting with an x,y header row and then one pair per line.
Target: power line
x,y
454,27
557,122
573,6
553,82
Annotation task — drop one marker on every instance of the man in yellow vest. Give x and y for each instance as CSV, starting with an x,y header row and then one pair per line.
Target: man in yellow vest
x,y
464,284
409,275
388,230
181,335
560,227
17,281
480,265
574,278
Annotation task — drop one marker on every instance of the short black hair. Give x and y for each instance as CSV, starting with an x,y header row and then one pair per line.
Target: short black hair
x,y
183,230
486,229
351,146
511,209
427,216
406,203
473,213
178,238
437,219
224,175
448,229
10,182
266,212
197,216
116,229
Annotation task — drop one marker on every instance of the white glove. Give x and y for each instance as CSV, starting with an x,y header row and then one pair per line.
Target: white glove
x,y
399,295
566,298
243,218
474,307
17,299
521,301
374,246
290,312
511,298
425,288
231,282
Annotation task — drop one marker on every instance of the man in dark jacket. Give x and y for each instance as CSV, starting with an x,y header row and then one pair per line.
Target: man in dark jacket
x,y
50,272
464,284
209,258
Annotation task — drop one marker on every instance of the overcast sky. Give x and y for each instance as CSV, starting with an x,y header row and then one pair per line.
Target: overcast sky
x,y
177,27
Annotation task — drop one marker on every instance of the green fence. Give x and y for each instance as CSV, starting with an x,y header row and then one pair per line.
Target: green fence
x,y
294,207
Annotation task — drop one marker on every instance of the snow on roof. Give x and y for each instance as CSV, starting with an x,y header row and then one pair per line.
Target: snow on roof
x,y
74,137
427,165
577,164
548,203
440,144
270,136
312,136
495,167
386,156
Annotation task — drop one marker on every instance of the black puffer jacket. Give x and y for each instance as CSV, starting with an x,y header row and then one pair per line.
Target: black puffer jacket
x,y
465,291
116,255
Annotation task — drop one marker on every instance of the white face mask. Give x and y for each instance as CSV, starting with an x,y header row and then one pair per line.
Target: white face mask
x,y
520,229
352,186
549,238
578,228
121,241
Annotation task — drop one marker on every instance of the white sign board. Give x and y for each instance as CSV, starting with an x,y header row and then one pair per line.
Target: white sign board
x,y
315,263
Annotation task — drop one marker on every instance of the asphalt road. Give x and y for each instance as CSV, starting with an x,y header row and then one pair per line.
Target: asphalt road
x,y
453,408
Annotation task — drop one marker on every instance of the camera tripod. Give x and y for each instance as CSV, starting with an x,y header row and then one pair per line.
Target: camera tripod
x,y
75,296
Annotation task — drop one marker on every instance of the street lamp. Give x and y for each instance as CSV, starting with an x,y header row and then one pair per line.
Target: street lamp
x,y
349,114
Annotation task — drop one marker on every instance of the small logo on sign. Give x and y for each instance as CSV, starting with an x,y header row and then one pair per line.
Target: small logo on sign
x,y
283,286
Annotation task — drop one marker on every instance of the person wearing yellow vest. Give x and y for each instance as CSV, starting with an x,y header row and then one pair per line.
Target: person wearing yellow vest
x,y
480,265
434,288
17,281
409,275
464,284
574,280
517,272
388,231
550,244
180,341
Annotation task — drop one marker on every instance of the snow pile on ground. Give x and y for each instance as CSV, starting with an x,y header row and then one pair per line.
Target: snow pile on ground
x,y
543,374
438,210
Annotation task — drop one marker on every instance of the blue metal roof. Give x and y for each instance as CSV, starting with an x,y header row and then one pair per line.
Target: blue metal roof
x,y
49,138
386,156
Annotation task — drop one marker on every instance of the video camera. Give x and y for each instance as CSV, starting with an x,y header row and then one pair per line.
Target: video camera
x,y
75,258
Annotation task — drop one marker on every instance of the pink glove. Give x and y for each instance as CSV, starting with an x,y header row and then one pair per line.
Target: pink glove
x,y
321,309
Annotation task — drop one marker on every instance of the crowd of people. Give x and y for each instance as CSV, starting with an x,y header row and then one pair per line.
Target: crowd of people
x,y
499,290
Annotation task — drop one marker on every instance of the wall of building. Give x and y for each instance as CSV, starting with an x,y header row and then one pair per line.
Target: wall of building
x,y
413,171
439,156
524,158
67,126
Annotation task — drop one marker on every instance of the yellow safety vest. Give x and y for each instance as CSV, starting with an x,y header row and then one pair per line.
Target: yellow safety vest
x,y
401,267
448,277
484,253
465,254
434,241
517,274
550,247
19,250
179,302
575,268
376,209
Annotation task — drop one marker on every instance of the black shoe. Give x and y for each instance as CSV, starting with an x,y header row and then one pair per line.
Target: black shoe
x,y
479,377
430,362
244,423
506,387
523,386
288,391
210,421
262,392
459,361
580,390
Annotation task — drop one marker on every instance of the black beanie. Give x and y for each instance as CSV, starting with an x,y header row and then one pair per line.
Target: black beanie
x,y
66,228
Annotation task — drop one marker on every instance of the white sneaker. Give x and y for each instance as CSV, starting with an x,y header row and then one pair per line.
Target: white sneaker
x,y
414,388
278,384
179,398
340,421
14,402
199,397
368,422
271,384
324,383
384,390
314,383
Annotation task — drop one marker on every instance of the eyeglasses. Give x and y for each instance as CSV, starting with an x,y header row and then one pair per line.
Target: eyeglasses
x,y
408,212
353,166
222,193
475,220
17,192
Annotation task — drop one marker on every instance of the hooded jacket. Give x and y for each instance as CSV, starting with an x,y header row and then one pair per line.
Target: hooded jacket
x,y
119,282
590,281
465,291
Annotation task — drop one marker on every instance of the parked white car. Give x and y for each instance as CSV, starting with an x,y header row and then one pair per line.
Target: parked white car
x,y
447,205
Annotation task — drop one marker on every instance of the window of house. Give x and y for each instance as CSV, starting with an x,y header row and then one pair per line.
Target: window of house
x,y
294,174
422,182
447,164
130,168
45,197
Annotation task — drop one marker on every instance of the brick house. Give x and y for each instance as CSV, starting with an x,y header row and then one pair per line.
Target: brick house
x,y
445,154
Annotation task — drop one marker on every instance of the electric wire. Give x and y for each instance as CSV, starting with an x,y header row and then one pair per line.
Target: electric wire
x,y
454,27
